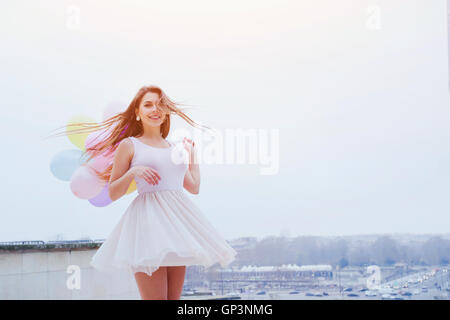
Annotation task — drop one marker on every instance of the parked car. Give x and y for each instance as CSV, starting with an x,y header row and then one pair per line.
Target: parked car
x,y
352,295
348,289
370,293
318,294
386,290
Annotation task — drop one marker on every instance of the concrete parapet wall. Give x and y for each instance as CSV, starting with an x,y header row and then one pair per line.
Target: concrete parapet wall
x,y
48,274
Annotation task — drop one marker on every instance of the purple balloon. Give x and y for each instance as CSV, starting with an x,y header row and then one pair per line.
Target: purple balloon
x,y
102,199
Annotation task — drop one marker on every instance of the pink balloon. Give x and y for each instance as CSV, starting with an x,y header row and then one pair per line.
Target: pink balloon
x,y
101,162
95,137
85,184
98,136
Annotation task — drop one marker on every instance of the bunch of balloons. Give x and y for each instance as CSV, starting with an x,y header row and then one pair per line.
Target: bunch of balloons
x,y
69,165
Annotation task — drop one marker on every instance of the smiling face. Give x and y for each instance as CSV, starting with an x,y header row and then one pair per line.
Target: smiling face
x,y
149,112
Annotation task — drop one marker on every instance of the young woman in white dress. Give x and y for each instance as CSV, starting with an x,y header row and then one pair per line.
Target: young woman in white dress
x,y
162,230
167,281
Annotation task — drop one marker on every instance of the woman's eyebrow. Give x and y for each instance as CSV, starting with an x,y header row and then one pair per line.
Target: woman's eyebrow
x,y
147,102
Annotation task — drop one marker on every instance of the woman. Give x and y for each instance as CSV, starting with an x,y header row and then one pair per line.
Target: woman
x,y
162,231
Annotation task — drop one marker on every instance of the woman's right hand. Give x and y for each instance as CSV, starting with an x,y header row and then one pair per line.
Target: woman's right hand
x,y
149,174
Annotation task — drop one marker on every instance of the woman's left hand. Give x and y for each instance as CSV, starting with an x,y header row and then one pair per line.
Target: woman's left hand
x,y
188,145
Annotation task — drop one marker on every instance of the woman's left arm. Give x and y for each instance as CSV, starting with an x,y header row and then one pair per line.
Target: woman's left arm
x,y
192,178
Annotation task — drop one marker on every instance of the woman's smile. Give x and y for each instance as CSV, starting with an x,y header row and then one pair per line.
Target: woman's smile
x,y
154,117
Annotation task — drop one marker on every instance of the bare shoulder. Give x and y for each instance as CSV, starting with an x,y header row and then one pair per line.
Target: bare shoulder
x,y
125,148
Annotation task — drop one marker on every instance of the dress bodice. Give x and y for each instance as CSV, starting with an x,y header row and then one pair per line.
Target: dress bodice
x,y
170,162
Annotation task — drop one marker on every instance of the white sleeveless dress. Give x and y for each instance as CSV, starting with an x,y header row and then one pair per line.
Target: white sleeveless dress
x,y
161,226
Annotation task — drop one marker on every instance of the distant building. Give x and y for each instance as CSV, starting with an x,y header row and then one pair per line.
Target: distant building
x,y
243,243
287,272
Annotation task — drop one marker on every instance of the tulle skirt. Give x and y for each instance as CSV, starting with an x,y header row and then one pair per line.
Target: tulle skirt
x,y
162,228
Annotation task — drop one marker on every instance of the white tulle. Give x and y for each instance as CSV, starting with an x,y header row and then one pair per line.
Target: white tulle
x,y
162,228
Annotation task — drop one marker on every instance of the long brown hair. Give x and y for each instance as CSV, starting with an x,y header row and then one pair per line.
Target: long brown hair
x,y
124,124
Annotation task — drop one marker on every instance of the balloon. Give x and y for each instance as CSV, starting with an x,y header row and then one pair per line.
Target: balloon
x,y
78,139
113,108
95,137
101,162
85,184
131,187
65,162
102,199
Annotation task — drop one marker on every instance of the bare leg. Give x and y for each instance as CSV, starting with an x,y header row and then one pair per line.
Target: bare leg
x,y
175,281
152,287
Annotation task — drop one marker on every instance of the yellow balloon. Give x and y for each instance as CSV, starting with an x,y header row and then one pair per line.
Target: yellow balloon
x,y
78,139
131,187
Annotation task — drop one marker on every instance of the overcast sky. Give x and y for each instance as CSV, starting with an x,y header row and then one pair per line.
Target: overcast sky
x,y
357,89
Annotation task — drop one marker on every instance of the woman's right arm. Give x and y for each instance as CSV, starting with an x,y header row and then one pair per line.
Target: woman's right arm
x,y
121,175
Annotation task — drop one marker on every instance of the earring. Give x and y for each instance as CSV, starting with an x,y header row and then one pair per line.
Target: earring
x,y
138,118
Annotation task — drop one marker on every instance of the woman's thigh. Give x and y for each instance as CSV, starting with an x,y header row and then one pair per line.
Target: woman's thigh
x,y
175,281
152,287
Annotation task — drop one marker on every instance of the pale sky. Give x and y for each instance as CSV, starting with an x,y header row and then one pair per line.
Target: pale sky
x,y
357,89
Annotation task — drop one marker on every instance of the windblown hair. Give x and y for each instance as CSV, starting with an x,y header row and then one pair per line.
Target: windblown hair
x,y
124,124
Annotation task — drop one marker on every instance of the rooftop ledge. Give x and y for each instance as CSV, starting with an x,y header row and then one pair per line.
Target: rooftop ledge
x,y
38,245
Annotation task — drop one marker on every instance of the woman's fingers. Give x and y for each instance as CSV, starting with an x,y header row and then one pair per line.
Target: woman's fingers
x,y
153,176
156,174
190,141
148,177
